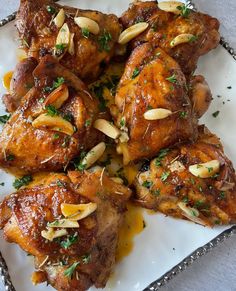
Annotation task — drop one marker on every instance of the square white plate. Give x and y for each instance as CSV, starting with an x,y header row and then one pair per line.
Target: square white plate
x,y
165,242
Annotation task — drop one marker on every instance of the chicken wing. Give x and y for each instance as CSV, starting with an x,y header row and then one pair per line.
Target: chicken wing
x,y
22,81
69,224
86,53
52,124
153,107
164,27
194,181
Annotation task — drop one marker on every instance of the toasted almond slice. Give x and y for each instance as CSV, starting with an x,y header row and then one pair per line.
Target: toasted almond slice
x,y
85,22
60,18
71,48
191,213
157,113
117,180
93,155
181,38
131,32
63,36
56,123
205,170
107,128
124,137
77,211
57,97
171,6
50,233
64,223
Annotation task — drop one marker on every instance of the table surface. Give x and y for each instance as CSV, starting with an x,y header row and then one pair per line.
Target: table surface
x,y
216,271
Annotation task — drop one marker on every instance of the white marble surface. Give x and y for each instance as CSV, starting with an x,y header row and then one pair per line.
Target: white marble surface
x,y
217,270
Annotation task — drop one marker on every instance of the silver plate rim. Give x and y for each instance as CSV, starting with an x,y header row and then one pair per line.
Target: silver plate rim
x,y
185,263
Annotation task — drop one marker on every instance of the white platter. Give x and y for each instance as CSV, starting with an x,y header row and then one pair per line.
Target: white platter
x,y
165,242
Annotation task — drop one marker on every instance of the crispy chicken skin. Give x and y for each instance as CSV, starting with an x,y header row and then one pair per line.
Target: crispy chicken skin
x,y
30,149
39,32
168,181
165,26
26,213
22,81
160,83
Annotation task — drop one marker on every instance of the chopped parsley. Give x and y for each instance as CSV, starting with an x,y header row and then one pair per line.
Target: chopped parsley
x,y
193,38
185,199
122,122
69,241
229,87
60,49
69,272
210,169
56,136
2,184
60,183
135,73
59,81
183,114
164,176
51,110
184,10
4,118
147,184
162,153
68,117
77,162
87,122
86,259
51,9
66,141
215,114
24,181
10,157
85,32
199,203
172,79
104,40
156,192
222,195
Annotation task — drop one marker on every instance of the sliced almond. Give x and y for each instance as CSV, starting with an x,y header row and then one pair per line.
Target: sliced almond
x,y
124,137
170,6
77,211
57,97
56,123
205,170
93,155
50,234
60,18
63,37
131,32
191,213
85,22
71,48
157,113
181,38
107,128
64,223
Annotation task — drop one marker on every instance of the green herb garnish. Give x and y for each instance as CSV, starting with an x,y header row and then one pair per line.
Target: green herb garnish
x,y
86,259
162,153
183,114
172,79
4,118
51,110
24,181
184,10
104,40
147,184
85,32
51,9
164,176
135,73
69,241
215,114
69,272
59,81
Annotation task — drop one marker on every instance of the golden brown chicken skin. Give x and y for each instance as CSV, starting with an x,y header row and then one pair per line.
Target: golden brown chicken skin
x,y
70,258
165,26
22,81
39,32
205,194
152,80
52,124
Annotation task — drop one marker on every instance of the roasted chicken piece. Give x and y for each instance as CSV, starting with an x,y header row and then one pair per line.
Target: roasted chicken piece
x,y
194,181
22,81
52,124
153,107
164,27
70,225
83,49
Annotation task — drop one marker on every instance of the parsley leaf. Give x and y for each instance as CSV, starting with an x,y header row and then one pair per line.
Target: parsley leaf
x,y
172,79
4,118
183,114
85,32
135,73
162,153
59,81
69,272
69,241
10,157
51,9
147,184
24,181
184,10
164,176
86,259
51,110
215,114
103,41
